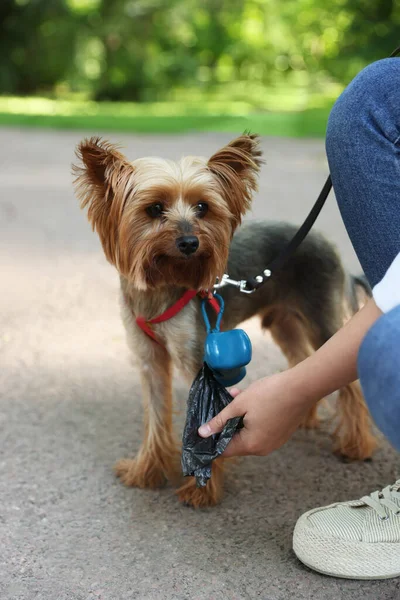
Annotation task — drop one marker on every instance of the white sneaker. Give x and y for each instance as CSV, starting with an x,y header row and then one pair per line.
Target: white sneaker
x,y
357,540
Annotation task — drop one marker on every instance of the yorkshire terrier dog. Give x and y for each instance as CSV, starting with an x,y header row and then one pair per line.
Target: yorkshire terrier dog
x,y
169,228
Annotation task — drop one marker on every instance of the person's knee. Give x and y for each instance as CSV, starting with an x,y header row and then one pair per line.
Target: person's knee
x,y
367,91
374,79
379,372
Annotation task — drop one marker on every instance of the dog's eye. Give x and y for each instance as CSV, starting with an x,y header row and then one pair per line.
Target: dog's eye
x,y
155,210
201,209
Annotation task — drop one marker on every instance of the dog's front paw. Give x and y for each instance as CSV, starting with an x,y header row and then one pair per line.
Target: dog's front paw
x,y
210,495
190,495
141,472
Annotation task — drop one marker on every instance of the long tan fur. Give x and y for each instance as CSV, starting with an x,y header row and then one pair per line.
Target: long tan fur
x,y
205,199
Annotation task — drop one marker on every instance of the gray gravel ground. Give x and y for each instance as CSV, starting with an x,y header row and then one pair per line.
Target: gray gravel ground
x,y
70,406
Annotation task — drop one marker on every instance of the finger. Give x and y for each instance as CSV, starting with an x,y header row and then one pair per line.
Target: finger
x,y
217,424
237,446
234,392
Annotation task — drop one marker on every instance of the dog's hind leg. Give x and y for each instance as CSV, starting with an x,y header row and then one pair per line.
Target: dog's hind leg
x,y
353,437
157,460
294,338
299,336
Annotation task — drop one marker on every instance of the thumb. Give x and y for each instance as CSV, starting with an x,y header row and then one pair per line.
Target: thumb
x,y
217,424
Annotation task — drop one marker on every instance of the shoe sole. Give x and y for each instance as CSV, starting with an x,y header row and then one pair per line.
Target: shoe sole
x,y
343,558
341,576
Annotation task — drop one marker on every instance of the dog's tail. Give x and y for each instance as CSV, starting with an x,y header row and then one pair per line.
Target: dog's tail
x,y
359,291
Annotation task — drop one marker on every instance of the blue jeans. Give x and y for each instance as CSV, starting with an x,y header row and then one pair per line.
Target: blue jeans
x,y
363,148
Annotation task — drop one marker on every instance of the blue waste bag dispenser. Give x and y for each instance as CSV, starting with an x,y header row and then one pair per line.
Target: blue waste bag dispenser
x,y
226,352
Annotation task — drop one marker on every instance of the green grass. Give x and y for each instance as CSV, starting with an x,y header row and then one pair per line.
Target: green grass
x,y
167,117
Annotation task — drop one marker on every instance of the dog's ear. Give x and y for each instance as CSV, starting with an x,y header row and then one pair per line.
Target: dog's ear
x,y
237,166
102,177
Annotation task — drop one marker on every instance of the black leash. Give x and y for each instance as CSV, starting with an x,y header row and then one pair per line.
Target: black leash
x,y
301,233
248,286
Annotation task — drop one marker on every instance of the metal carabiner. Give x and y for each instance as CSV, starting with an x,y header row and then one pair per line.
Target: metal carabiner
x,y
243,285
226,280
240,285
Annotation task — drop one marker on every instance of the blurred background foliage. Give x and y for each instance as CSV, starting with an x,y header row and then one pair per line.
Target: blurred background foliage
x,y
240,54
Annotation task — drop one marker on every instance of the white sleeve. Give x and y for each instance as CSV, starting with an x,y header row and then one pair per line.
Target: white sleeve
x,y
387,292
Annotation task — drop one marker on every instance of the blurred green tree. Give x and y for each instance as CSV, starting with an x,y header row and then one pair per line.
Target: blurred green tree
x,y
37,39
142,50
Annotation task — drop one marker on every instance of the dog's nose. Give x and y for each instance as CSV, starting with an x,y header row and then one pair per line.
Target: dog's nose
x,y
187,244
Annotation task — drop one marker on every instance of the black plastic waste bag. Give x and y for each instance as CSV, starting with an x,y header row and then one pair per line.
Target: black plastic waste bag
x,y
206,399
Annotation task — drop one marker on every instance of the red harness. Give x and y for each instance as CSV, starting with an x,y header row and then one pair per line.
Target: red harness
x,y
173,310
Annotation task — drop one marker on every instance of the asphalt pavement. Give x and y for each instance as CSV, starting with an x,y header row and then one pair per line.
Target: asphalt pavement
x,y
70,406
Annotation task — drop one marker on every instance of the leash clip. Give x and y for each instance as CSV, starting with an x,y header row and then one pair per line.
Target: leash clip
x,y
226,280
241,285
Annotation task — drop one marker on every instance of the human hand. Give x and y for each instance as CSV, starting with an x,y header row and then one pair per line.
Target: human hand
x,y
272,408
